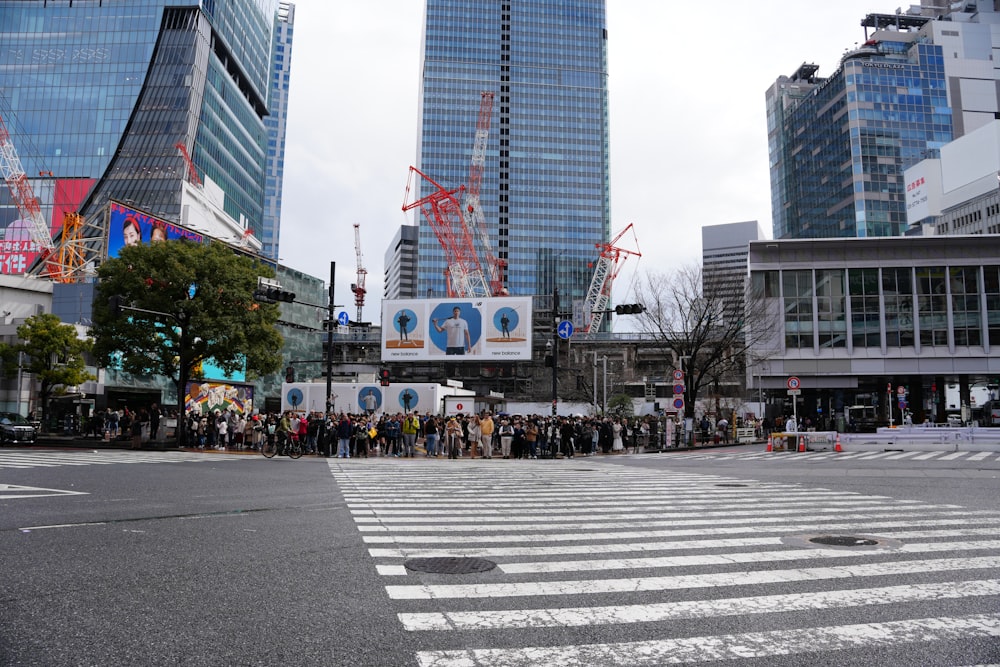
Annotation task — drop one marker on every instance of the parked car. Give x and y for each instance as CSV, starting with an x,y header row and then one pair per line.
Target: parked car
x,y
15,429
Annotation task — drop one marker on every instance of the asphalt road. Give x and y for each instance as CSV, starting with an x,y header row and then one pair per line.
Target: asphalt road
x,y
156,558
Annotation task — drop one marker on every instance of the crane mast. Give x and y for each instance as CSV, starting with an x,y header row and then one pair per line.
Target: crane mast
x,y
359,287
475,218
24,197
608,265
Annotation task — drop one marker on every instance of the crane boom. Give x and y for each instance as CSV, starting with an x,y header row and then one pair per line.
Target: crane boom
x,y
359,287
608,265
24,197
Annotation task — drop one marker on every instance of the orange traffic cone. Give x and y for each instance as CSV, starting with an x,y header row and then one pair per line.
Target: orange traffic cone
x,y
836,446
770,443
802,443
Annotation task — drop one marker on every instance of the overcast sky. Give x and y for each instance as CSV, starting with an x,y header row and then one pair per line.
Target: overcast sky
x,y
688,128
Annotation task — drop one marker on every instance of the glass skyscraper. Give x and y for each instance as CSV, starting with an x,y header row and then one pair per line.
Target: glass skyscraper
x,y
107,90
838,146
545,185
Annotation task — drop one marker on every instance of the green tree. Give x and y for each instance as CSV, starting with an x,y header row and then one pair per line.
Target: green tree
x,y
621,405
55,356
184,303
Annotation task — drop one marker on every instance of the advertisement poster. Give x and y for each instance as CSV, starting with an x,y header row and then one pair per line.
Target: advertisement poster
x,y
17,249
127,226
460,330
207,397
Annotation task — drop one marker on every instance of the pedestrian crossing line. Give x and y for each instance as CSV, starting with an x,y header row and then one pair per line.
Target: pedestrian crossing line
x,y
979,456
564,617
744,646
594,548
861,455
23,460
696,560
872,526
676,582
901,455
744,517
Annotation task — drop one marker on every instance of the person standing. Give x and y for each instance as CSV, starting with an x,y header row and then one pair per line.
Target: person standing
x,y
431,435
531,438
616,434
474,435
344,433
506,438
486,428
453,432
411,426
155,414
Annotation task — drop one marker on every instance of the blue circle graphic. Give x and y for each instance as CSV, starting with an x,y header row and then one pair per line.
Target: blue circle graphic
x,y
510,315
414,399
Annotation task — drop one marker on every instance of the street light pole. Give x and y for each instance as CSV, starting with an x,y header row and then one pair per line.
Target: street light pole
x,y
555,350
329,342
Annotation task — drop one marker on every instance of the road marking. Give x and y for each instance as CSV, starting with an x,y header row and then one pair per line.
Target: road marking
x,y
711,580
10,492
687,650
506,619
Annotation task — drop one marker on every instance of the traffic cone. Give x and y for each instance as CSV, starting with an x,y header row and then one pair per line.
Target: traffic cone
x,y
836,446
802,443
770,443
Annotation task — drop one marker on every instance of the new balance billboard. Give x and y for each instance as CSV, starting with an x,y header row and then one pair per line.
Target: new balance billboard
x,y
497,329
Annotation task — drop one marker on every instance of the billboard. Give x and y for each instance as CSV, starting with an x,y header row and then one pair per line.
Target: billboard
x,y
128,226
457,329
204,398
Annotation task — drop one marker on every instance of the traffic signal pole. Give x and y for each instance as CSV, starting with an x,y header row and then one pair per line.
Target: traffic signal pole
x,y
329,342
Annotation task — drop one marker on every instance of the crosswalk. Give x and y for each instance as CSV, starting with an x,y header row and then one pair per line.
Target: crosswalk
x,y
602,564
862,455
23,458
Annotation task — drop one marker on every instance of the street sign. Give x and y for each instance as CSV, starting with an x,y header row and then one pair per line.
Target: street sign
x,y
794,392
901,390
793,383
565,329
678,375
678,403
678,389
343,319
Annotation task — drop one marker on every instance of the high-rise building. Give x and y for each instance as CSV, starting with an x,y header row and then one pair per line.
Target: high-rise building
x,y
725,252
281,61
838,145
401,265
107,91
545,185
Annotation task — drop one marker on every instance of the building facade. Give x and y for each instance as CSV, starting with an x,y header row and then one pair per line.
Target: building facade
x,y
856,320
545,185
401,265
724,252
274,176
110,92
838,145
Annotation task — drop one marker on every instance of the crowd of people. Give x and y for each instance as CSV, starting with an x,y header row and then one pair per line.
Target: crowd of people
x,y
412,434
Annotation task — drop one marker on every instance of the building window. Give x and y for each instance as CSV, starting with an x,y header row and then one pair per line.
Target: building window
x,y
797,292
965,312
932,302
866,315
897,293
831,308
991,285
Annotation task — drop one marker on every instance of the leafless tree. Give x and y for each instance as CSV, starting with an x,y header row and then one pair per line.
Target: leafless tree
x,y
704,325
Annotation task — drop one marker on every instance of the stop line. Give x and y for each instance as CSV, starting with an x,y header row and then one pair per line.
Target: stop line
x,y
21,458
621,551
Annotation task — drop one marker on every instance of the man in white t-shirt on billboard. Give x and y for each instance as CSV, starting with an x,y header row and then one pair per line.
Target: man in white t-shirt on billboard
x,y
459,341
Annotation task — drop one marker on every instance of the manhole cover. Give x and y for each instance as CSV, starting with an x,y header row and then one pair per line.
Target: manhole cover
x,y
844,541
730,484
449,565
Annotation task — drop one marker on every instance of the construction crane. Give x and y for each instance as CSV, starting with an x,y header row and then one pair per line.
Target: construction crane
x,y
359,287
192,172
24,197
610,262
474,213
464,276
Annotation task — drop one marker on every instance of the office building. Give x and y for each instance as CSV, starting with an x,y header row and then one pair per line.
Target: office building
x,y
724,252
545,185
839,145
401,265
107,92
281,61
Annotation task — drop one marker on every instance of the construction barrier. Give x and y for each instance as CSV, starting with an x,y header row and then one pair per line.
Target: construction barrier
x,y
802,441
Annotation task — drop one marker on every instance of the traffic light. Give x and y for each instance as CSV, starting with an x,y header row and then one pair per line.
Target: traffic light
x,y
290,374
384,377
115,305
629,309
270,294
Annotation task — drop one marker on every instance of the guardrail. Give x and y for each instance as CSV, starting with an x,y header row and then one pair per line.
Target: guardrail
x,y
797,441
915,437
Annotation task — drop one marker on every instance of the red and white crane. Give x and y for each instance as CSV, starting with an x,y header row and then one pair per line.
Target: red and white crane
x,y
24,197
609,263
474,212
359,287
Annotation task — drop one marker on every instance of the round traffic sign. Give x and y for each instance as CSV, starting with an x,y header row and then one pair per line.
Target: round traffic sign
x,y
678,403
343,319
901,390
678,389
678,375
565,329
793,383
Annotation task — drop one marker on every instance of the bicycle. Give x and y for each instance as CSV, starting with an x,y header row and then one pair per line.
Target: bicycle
x,y
289,446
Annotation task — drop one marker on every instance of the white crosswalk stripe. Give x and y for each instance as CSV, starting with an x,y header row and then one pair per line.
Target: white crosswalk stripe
x,y
634,557
862,455
21,459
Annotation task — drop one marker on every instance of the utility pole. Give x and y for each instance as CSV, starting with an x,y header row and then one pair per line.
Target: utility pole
x,y
555,350
329,341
